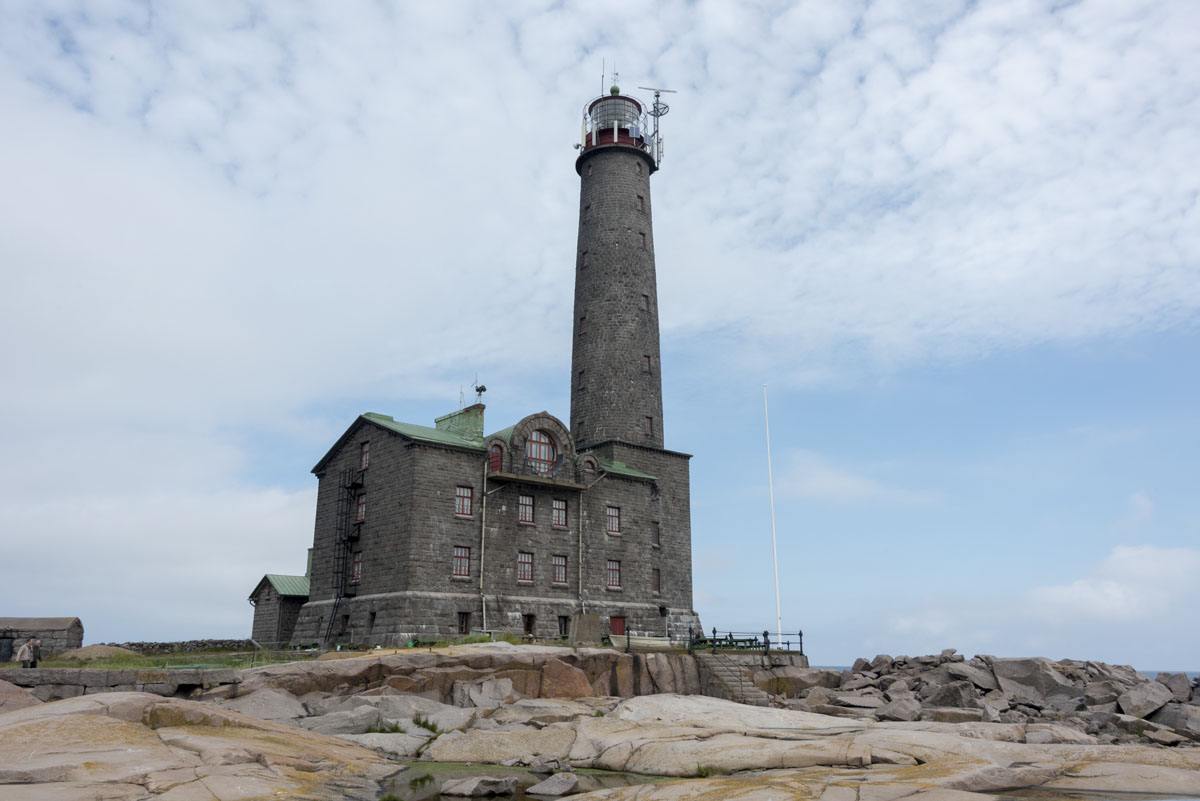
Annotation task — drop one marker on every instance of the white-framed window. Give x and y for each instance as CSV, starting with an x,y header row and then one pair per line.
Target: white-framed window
x,y
524,508
462,561
525,567
613,581
612,519
463,496
558,516
559,563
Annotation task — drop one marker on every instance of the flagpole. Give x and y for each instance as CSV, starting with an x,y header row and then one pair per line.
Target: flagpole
x,y
774,546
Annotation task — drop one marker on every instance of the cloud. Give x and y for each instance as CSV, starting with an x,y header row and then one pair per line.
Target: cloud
x,y
226,228
1133,584
810,475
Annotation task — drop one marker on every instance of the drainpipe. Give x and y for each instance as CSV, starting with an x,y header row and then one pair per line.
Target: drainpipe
x,y
581,515
483,537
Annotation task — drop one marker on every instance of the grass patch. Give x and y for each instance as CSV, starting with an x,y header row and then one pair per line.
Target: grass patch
x,y
206,659
387,728
426,723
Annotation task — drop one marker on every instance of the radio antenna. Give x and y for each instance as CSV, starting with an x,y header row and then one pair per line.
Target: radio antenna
x,y
657,110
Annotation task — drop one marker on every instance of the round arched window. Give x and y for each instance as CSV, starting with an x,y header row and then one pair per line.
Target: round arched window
x,y
539,452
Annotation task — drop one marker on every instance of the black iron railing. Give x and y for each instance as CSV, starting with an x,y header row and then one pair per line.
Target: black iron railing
x,y
745,641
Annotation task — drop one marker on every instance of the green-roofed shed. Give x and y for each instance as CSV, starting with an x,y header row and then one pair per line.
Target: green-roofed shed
x,y
277,599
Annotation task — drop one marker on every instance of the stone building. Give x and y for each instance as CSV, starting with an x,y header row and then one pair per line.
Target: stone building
x,y
277,600
447,529
57,634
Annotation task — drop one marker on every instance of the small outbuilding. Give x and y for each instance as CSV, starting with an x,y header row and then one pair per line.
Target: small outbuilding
x,y
57,634
277,600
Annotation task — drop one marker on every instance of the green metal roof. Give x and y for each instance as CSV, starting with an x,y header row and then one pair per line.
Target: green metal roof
x,y
289,585
621,469
436,436
504,434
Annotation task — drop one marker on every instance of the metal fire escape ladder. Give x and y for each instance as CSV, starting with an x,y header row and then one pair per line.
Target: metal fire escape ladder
x,y
341,545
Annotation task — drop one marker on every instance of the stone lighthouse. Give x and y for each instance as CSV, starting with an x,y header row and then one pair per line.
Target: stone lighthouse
x,y
616,389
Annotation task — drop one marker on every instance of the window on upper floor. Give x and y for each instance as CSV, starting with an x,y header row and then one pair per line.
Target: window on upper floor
x,y
641,203
525,509
647,363
613,580
612,519
559,563
540,452
648,426
462,501
656,534
496,459
656,581
558,517
462,561
364,456
525,566
360,508
356,568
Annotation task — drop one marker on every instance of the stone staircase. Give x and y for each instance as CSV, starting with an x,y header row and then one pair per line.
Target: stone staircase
x,y
723,677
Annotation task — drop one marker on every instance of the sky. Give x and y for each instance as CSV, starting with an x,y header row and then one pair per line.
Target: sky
x,y
959,242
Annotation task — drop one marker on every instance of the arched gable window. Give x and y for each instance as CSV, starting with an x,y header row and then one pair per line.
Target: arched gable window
x,y
540,452
496,459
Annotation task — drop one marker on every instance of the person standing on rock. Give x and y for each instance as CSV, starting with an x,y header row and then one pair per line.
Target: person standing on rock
x,y
25,653
35,655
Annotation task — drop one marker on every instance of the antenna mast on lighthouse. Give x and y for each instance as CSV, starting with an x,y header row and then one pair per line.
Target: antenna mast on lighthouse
x,y
658,109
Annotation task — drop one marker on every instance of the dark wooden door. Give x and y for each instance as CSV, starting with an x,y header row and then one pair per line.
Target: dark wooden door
x,y
616,625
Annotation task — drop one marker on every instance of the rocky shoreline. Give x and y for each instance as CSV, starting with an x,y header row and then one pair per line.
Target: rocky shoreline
x,y
349,729
1113,703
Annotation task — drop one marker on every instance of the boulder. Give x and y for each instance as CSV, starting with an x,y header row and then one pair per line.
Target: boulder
x,y
1047,733
268,704
405,709
1036,674
1143,699
480,786
1183,718
980,677
951,715
560,680
1179,685
351,721
14,697
1101,692
795,681
899,709
394,744
860,665
859,681
957,693
556,785
857,700
488,693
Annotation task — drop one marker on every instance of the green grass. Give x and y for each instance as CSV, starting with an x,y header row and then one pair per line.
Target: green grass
x,y
387,728
180,661
426,723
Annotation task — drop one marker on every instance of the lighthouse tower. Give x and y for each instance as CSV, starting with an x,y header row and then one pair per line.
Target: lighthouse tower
x,y
616,384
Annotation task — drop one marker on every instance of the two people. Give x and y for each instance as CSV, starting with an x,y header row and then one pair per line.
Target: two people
x,y
30,653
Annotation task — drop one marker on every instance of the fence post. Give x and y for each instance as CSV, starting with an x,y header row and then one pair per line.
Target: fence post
x,y
801,636
766,643
714,640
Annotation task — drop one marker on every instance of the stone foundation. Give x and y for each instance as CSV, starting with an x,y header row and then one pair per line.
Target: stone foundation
x,y
52,684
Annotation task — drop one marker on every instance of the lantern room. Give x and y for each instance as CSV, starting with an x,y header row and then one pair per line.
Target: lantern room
x,y
616,119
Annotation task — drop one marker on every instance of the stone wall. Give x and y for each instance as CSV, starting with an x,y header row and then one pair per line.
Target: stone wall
x,y
52,684
54,640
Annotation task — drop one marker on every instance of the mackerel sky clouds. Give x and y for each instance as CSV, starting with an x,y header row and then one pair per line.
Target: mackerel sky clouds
x,y
960,242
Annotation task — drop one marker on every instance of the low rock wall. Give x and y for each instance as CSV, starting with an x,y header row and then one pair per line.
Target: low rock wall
x,y
52,684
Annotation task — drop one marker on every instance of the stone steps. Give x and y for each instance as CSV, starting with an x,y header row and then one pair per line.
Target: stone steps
x,y
734,680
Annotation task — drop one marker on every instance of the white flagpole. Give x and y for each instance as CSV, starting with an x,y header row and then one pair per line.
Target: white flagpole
x,y
774,546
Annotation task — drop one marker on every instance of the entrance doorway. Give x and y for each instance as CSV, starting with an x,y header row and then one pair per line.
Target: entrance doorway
x,y
530,622
616,625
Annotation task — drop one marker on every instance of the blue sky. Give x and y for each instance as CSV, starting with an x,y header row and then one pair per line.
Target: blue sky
x,y
959,242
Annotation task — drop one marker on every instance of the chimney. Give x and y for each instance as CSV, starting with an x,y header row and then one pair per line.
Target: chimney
x,y
466,423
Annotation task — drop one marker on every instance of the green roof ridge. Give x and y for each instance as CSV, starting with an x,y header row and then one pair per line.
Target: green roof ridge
x,y
437,436
289,585
621,469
